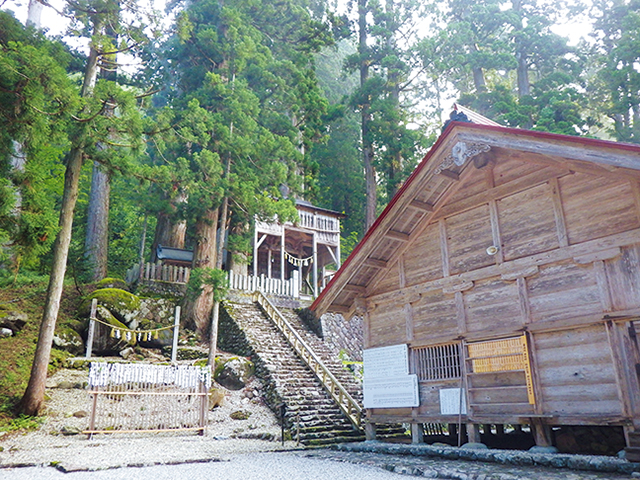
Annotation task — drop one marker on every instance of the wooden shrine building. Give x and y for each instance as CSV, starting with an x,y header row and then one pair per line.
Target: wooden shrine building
x,y
508,264
303,250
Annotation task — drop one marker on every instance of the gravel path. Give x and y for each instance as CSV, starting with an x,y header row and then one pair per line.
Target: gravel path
x,y
229,449
263,466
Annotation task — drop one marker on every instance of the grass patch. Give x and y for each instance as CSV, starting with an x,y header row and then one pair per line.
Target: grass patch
x,y
27,295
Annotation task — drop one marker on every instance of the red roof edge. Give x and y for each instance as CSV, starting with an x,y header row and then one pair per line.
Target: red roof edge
x,y
593,142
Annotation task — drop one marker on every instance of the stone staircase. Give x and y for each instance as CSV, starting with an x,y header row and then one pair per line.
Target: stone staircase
x,y
310,413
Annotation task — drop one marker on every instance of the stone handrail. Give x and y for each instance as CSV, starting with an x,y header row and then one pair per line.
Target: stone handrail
x,y
345,401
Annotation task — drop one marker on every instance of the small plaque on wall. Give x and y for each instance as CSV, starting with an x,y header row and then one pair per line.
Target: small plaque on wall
x,y
392,393
451,401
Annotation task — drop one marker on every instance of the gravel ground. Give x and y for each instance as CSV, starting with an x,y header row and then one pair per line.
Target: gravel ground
x,y
57,440
229,449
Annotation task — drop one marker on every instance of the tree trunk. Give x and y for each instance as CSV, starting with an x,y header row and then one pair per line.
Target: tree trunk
x,y
367,147
96,241
170,232
198,311
32,402
34,14
478,80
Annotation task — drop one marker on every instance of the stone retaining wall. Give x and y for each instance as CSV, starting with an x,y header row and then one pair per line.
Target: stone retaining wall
x,y
343,335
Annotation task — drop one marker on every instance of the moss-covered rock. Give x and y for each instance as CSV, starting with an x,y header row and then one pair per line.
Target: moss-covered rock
x,y
66,338
103,342
123,305
233,373
111,282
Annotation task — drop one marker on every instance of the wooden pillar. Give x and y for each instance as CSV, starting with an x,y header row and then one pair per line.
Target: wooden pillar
x,y
500,430
541,433
473,433
269,263
315,266
370,430
255,251
417,433
282,264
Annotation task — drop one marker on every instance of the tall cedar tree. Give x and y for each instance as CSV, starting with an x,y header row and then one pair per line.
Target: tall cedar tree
x,y
248,108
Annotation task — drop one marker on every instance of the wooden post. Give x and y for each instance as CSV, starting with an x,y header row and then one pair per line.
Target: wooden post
x,y
315,266
176,327
417,433
541,433
473,433
204,403
92,417
92,327
370,430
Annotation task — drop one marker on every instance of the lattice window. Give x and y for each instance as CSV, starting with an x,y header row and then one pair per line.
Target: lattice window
x,y
440,362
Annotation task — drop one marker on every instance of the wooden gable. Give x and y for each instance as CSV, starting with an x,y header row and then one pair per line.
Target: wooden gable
x,y
525,193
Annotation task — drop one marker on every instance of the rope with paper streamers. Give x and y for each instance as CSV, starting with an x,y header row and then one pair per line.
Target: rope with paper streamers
x,y
298,261
133,335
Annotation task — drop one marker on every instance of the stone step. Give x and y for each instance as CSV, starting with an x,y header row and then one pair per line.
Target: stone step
x,y
321,422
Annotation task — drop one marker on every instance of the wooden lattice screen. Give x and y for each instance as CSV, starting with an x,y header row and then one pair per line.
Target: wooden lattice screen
x,y
506,355
130,398
439,362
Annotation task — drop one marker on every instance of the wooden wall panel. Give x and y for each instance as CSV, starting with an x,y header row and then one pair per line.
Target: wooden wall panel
x,y
390,281
434,314
430,396
563,290
473,184
468,236
527,222
423,259
493,304
595,207
509,169
576,373
623,274
387,325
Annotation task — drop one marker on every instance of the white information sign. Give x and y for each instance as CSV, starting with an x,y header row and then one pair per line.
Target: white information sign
x,y
451,403
386,362
401,391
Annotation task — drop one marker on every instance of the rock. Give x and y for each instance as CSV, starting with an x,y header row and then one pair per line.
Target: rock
x,y
110,282
124,306
68,339
233,373
543,450
474,446
240,415
67,430
103,342
127,353
65,384
216,398
13,320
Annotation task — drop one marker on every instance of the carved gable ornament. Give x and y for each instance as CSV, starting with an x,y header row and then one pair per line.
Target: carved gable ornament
x,y
460,153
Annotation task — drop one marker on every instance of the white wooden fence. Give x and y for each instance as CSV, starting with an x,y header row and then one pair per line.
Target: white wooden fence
x,y
272,286
157,272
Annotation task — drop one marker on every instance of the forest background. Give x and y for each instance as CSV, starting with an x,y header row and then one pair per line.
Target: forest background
x,y
182,125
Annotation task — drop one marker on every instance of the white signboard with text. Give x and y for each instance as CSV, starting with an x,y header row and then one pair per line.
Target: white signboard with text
x,y
386,362
392,393
452,401
387,382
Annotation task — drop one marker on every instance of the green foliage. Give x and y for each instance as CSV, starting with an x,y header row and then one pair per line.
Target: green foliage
x,y
36,101
212,277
